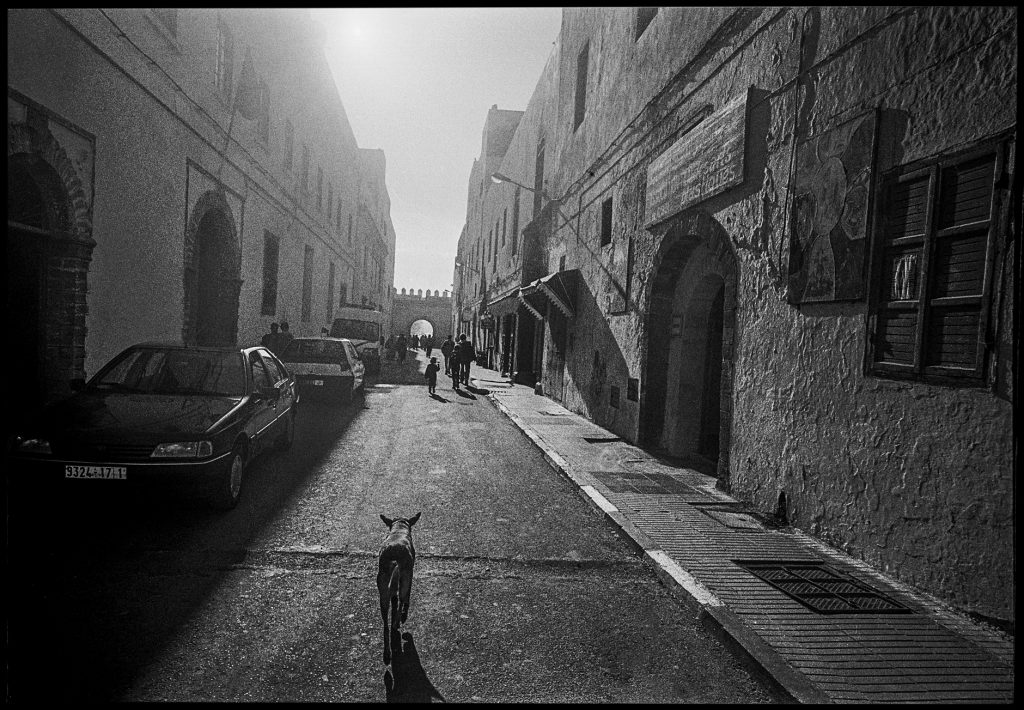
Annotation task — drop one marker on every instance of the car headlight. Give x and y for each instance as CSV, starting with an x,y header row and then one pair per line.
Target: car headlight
x,y
183,450
34,446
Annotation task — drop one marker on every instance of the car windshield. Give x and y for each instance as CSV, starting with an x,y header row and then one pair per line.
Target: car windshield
x,y
354,329
331,351
174,371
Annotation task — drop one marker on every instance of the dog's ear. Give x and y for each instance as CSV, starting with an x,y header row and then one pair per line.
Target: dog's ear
x,y
413,519
387,521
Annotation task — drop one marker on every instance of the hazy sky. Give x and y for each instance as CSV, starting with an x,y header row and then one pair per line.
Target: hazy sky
x,y
418,83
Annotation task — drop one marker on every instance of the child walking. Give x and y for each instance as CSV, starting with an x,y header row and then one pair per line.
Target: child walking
x,y
431,375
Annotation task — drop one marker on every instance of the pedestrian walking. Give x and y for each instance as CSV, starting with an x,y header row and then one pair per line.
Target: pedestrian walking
x,y
285,337
431,375
270,339
429,344
467,353
389,346
401,345
452,361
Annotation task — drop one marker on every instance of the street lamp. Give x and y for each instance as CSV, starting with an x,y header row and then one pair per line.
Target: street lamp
x,y
498,178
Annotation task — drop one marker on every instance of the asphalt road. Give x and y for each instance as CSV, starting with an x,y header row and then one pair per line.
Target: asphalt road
x,y
522,591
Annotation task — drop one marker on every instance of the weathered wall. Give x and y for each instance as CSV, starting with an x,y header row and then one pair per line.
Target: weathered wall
x,y
914,478
161,130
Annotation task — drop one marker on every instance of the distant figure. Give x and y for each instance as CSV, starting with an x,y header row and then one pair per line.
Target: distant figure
x,y
446,349
401,345
390,347
431,375
428,344
270,339
467,353
285,337
452,361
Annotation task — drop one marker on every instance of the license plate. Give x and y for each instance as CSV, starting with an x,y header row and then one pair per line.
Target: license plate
x,y
318,383
116,472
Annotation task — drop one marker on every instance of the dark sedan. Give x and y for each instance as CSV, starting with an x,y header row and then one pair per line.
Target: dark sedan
x,y
187,416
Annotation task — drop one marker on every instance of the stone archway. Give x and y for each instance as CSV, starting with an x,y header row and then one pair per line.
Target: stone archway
x,y
212,273
686,405
48,246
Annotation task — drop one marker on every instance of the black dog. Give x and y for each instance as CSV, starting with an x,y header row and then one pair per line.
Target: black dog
x,y
394,575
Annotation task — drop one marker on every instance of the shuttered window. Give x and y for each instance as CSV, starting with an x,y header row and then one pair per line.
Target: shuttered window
x,y
932,269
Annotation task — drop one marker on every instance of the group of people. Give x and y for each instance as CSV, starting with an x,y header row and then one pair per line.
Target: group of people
x,y
458,356
278,338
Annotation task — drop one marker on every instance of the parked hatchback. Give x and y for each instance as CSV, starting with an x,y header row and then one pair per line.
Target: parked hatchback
x,y
170,414
326,368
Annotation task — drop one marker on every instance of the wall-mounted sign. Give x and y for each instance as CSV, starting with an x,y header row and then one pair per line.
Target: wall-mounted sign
x,y
706,161
829,221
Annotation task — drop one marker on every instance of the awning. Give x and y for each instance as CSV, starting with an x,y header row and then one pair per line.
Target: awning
x,y
505,304
558,288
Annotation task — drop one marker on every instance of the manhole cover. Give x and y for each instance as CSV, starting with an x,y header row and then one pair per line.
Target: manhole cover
x,y
823,589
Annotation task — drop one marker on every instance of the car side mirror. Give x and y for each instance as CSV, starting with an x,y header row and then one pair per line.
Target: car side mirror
x,y
77,384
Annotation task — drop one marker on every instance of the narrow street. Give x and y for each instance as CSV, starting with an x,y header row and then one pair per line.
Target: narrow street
x,y
521,591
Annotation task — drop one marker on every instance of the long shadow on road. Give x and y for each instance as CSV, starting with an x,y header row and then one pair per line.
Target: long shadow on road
x,y
99,581
406,681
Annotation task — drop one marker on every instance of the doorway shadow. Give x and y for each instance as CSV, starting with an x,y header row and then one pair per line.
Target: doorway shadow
x,y
406,681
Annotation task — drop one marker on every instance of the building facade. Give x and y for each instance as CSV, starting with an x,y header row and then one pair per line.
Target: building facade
x,y
183,175
779,245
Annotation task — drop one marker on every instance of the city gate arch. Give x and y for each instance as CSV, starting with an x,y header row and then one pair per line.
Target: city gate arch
x,y
686,405
433,307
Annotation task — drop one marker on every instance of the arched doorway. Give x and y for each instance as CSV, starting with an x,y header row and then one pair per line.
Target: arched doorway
x,y
686,409
421,328
212,267
48,249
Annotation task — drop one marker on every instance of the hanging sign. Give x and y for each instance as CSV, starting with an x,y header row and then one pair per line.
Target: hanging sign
x,y
705,162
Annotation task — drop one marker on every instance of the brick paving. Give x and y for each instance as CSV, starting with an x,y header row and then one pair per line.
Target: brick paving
x,y
932,654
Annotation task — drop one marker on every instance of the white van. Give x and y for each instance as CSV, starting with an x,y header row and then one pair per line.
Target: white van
x,y
363,327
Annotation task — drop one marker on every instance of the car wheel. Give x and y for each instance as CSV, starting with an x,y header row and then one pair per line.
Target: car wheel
x,y
228,486
284,442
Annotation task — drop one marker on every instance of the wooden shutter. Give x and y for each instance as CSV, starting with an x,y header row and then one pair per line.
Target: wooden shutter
x,y
904,228
958,284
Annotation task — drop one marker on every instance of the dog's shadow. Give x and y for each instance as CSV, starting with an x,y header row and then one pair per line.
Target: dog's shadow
x,y
406,681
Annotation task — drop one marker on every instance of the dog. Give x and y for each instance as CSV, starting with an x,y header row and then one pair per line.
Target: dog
x,y
394,576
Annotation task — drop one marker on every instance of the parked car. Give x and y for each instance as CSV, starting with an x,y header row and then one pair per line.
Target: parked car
x,y
186,416
326,368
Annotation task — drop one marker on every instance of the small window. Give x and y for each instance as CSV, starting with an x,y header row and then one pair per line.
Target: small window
x,y
263,125
305,168
350,229
504,225
932,268
582,61
644,15
270,265
342,294
330,292
606,222
307,285
225,59
319,188
330,199
289,144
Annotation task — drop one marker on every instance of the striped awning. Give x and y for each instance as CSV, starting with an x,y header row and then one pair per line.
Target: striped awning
x,y
559,289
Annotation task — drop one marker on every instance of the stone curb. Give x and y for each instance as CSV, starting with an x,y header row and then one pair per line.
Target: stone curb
x,y
713,613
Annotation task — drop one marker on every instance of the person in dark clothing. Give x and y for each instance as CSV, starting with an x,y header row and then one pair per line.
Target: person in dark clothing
x,y
428,344
285,338
431,375
270,339
446,349
401,345
467,353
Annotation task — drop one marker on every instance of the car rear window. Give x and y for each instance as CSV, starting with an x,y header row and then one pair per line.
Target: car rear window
x,y
329,351
174,371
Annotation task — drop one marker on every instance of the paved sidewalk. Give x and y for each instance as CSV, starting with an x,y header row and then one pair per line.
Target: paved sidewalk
x,y
693,535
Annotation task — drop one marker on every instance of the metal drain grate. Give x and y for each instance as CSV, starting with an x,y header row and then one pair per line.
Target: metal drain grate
x,y
601,439
631,482
823,589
